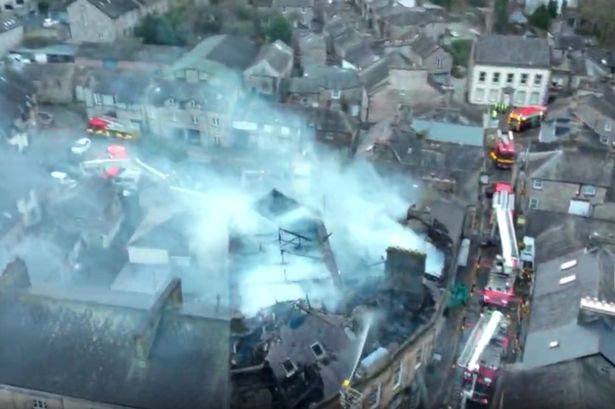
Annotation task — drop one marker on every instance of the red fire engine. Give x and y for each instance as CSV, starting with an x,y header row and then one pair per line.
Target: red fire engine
x,y
481,357
504,151
499,290
107,126
524,118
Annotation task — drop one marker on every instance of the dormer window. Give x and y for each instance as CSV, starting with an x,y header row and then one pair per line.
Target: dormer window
x,y
537,184
289,367
318,350
335,94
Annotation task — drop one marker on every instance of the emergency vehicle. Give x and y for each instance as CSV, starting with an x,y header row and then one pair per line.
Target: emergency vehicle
x,y
520,119
499,290
113,127
504,152
481,357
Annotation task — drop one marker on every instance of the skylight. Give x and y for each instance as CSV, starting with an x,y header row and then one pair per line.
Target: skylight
x,y
553,344
568,264
567,279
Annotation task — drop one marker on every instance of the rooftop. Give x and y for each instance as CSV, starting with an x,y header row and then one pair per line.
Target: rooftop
x,y
583,167
450,132
559,287
277,54
221,52
8,23
131,51
187,365
115,8
511,50
317,78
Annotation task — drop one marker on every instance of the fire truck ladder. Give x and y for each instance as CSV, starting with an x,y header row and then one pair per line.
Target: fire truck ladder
x,y
504,204
481,335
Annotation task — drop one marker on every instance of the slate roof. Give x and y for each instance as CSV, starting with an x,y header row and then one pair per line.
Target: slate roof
x,y
214,98
293,3
87,206
571,385
324,78
424,46
127,87
603,56
229,51
277,54
130,51
576,167
555,310
80,343
170,235
115,8
510,50
450,132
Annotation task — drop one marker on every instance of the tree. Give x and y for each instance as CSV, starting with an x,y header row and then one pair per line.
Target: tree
x,y
552,7
279,29
598,19
500,23
460,50
161,30
541,18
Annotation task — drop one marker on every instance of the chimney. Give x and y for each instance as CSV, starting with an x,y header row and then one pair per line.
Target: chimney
x,y
15,275
405,269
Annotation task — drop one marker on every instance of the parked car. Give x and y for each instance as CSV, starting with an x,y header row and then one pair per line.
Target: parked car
x,y
81,146
44,118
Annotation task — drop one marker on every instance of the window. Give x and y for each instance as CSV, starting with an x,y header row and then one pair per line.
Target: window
x,y
373,399
523,79
496,78
39,404
607,126
289,367
534,203
510,78
174,116
172,101
520,98
215,122
439,62
479,94
537,184
534,98
493,95
97,99
195,120
604,139
482,76
397,374
335,94
537,80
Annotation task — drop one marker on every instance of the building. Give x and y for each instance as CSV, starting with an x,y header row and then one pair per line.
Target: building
x,y
271,66
510,69
105,21
11,34
219,58
532,5
127,55
300,13
567,181
62,53
598,114
287,343
333,128
428,54
442,148
567,354
92,210
135,350
312,49
55,83
328,87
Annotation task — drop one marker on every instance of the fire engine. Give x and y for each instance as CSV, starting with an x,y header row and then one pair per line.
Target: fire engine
x,y
112,127
499,290
481,357
504,152
524,118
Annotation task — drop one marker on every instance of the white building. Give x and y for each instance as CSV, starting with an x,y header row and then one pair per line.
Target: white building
x,y
510,69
